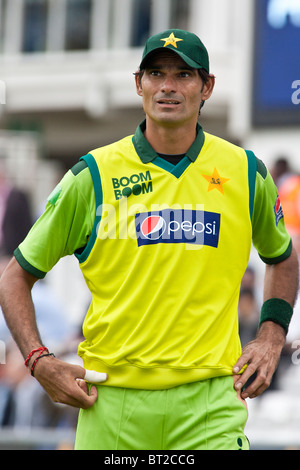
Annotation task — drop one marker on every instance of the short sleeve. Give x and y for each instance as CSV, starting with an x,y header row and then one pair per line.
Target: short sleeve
x,y
270,237
65,226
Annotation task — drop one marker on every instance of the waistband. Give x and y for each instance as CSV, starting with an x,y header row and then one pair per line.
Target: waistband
x,y
152,378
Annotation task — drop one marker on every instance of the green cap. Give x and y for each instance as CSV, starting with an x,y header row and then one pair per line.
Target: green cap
x,y
187,45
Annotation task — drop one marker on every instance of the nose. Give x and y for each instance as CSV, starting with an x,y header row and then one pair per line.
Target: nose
x,y
168,84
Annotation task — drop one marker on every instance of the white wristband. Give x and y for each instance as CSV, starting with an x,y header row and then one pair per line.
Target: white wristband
x,y
95,377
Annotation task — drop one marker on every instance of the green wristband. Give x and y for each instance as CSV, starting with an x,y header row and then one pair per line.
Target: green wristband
x,y
276,310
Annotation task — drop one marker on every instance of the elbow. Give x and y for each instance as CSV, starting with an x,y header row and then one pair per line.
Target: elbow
x,y
14,274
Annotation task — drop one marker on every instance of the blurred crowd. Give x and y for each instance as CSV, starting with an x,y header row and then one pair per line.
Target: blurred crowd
x,y
23,403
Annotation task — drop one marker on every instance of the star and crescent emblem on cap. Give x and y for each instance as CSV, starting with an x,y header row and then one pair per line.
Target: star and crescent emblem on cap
x,y
171,40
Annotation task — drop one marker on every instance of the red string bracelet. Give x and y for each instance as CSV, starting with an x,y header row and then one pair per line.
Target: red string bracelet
x,y
39,357
41,349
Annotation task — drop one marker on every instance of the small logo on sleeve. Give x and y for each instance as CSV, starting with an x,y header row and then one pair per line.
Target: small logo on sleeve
x,y
278,210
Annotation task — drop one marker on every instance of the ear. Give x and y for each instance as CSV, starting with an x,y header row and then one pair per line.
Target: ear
x,y
208,88
138,83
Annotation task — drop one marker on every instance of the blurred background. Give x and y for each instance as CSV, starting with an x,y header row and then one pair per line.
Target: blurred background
x,y
66,87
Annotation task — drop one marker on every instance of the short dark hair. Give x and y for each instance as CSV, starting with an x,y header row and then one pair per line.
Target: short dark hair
x,y
204,75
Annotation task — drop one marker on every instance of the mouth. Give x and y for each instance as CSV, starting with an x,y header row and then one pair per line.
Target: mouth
x,y
168,102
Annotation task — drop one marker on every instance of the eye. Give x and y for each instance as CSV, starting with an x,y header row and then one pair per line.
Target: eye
x,y
155,73
185,74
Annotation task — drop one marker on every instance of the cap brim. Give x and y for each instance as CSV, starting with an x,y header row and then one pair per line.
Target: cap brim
x,y
191,63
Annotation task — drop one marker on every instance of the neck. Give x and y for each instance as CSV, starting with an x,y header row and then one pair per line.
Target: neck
x,y
170,140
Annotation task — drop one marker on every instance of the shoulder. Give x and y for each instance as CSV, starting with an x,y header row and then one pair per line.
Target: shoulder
x,y
115,148
76,181
223,145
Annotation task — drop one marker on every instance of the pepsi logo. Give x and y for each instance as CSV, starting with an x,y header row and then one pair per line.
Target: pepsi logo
x,y
278,210
153,227
277,205
196,227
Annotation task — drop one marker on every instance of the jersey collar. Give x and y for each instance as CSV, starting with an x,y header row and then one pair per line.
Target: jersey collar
x,y
147,154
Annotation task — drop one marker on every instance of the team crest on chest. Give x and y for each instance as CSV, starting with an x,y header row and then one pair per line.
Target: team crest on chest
x,y
215,181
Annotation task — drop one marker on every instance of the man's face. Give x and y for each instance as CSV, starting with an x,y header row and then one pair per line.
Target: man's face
x,y
172,91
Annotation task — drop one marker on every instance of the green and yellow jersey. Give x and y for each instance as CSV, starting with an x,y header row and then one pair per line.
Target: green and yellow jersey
x,y
163,249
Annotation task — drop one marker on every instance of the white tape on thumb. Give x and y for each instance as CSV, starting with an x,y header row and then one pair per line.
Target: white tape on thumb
x,y
95,377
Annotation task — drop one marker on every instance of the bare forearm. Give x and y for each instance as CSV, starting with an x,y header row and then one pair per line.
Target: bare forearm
x,y
282,280
18,308
262,354
63,382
